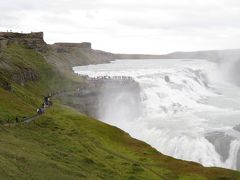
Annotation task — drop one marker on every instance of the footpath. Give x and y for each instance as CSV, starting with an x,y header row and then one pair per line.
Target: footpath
x,y
47,103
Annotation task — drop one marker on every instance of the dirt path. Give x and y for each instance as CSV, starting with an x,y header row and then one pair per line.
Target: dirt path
x,y
28,120
36,116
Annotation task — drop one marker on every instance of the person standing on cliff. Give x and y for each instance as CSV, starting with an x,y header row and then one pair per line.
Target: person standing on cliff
x,y
167,79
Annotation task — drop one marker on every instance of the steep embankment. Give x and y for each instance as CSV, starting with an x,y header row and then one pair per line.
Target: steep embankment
x,y
64,56
63,143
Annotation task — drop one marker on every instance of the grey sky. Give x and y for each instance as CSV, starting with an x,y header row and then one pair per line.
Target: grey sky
x,y
129,26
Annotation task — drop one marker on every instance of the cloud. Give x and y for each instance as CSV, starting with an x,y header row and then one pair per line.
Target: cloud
x,y
131,26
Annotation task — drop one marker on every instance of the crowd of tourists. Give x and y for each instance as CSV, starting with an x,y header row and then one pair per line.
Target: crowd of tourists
x,y
120,78
47,103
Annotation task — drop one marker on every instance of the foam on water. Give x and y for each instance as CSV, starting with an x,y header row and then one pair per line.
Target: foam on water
x,y
178,112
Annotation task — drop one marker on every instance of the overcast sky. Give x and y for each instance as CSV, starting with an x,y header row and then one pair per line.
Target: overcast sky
x,y
129,26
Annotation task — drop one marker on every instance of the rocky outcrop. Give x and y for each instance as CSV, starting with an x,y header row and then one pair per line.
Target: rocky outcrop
x,y
93,97
25,75
64,56
5,84
12,73
12,68
32,40
3,43
86,45
221,142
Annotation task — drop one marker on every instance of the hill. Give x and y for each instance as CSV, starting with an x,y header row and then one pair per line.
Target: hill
x,y
63,143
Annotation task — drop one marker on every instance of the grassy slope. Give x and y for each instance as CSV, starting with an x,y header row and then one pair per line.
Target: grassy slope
x,y
24,100
64,144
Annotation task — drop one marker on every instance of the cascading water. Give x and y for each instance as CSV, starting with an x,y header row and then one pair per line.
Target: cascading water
x,y
186,109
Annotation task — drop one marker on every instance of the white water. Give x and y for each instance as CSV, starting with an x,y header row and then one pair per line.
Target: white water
x,y
177,115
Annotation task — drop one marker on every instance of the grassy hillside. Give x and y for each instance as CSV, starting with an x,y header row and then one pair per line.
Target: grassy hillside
x,y
65,144
30,78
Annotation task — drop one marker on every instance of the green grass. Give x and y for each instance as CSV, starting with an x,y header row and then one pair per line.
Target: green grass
x,y
24,100
65,144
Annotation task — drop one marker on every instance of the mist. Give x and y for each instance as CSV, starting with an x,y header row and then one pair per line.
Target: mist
x,y
119,102
229,66
234,72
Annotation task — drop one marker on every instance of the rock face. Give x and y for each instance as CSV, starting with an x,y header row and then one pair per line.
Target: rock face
x,y
3,43
13,71
24,76
93,98
221,143
32,40
64,56
5,84
86,45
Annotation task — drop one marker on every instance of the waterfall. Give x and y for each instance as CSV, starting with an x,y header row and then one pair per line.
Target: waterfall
x,y
185,109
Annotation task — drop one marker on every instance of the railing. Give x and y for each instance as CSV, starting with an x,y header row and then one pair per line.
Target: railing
x,y
105,78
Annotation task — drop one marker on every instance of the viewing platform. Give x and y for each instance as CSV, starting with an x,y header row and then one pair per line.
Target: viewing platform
x,y
109,78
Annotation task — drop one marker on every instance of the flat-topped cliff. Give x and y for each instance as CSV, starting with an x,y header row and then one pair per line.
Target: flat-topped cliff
x,y
61,55
72,45
32,40
38,35
64,56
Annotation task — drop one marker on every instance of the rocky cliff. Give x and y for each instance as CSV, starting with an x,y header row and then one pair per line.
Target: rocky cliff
x,y
16,70
32,40
87,45
64,56
90,97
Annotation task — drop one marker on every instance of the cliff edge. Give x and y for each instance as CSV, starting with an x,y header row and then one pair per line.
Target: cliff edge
x,y
32,40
